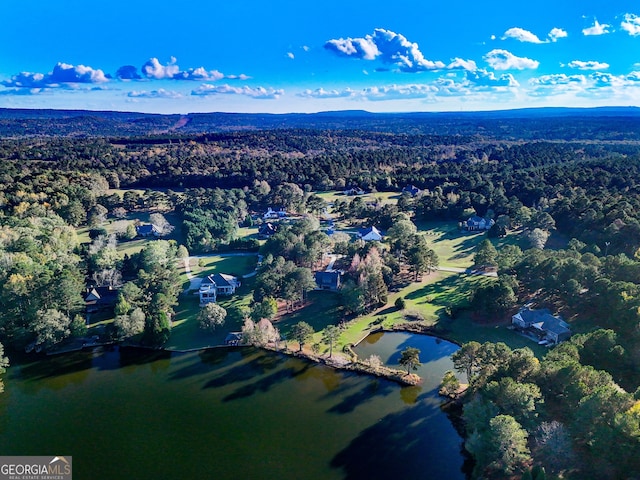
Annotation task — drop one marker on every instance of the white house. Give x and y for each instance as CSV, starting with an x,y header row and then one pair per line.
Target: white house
x,y
217,284
475,223
270,213
370,234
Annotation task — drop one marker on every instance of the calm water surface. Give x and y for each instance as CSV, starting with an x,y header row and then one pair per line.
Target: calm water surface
x,y
226,414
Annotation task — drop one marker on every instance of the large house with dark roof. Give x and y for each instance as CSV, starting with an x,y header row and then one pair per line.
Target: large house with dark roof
x,y
217,284
100,298
541,322
476,223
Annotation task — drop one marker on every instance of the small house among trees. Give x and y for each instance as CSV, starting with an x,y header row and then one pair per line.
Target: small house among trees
x,y
270,213
370,234
147,230
411,190
543,324
267,229
354,191
328,280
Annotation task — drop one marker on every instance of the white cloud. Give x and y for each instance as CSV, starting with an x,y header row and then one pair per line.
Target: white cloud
x,y
291,55
558,79
597,29
607,80
521,35
631,24
588,65
397,92
557,33
482,78
633,77
503,60
207,89
493,37
152,68
63,75
461,64
364,48
390,47
306,48
160,93
322,93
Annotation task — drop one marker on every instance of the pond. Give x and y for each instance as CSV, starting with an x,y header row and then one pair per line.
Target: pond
x,y
222,414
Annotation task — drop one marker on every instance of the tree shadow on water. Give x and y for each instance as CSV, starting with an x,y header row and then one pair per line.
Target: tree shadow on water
x,y
257,370
417,442
351,400
264,384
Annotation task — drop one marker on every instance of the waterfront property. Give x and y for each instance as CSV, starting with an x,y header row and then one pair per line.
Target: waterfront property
x,y
100,298
217,284
548,328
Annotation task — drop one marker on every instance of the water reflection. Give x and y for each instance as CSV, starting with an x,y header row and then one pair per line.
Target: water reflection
x,y
224,414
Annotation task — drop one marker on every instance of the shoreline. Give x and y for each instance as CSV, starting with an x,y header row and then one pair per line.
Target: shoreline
x,y
350,363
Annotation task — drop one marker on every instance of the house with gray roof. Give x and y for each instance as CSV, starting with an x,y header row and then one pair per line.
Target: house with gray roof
x,y
541,322
217,284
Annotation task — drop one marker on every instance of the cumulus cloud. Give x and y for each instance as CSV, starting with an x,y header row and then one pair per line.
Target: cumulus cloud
x,y
606,80
597,29
631,24
254,92
397,92
557,33
291,55
559,79
322,93
63,74
526,36
589,65
461,64
160,93
153,69
634,77
482,78
521,35
504,60
128,72
390,47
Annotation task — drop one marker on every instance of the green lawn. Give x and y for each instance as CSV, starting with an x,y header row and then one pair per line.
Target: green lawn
x,y
385,197
232,265
187,335
456,248
429,299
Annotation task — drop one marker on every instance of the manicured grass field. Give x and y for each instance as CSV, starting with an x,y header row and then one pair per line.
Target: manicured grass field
x,y
456,248
428,299
385,197
186,333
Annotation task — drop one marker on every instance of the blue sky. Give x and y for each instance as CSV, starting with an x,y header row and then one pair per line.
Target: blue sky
x,y
283,56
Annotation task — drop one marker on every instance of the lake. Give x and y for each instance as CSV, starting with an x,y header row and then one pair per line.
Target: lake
x,y
225,414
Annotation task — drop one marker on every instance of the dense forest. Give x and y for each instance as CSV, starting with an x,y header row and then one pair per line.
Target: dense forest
x,y
570,173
